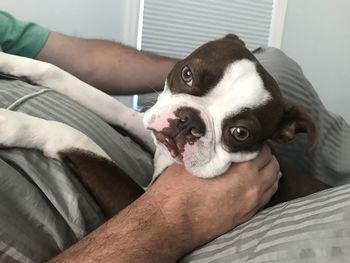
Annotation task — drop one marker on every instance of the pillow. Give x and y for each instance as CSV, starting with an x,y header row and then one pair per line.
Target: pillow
x,y
315,229
329,162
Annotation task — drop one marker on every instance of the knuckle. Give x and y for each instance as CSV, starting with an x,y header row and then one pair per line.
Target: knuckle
x,y
274,188
252,195
247,168
276,163
267,149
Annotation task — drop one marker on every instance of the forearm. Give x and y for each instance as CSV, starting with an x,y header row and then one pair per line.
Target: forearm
x,y
111,67
139,233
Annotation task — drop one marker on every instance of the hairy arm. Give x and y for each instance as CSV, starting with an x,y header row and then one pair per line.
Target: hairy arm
x,y
179,213
106,65
139,233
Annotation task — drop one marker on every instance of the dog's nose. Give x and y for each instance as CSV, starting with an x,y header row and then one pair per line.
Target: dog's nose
x,y
190,123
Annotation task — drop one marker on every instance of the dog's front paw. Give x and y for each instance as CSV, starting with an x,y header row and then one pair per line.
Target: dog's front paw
x,y
12,129
6,66
21,130
12,65
18,129
28,68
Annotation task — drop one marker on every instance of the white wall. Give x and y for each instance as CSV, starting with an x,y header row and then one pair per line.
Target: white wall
x,y
108,19
316,35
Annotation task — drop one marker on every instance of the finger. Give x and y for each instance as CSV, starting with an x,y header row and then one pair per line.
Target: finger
x,y
271,190
266,197
269,174
264,157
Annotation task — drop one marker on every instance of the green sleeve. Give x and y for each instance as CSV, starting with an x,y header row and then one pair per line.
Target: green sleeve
x,y
21,38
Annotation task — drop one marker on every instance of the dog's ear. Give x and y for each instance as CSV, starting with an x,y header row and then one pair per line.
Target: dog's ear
x,y
295,120
235,38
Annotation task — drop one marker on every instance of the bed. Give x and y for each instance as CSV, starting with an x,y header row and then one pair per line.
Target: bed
x,y
44,208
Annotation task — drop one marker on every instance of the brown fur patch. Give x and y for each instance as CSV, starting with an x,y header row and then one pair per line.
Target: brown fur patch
x,y
111,187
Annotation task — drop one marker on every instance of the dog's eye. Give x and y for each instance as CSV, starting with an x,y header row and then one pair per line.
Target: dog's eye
x,y
187,75
239,133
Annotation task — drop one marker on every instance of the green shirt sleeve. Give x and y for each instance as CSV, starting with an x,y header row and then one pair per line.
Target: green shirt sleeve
x,y
21,38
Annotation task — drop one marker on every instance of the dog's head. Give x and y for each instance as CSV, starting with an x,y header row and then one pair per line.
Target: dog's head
x,y
218,106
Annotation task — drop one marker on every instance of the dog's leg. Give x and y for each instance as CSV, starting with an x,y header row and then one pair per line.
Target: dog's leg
x,y
21,130
105,106
161,161
110,186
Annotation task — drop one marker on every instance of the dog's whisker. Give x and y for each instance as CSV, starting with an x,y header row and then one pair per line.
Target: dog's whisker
x,y
150,87
154,90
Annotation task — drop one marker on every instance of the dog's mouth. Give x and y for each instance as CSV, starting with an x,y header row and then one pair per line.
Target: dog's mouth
x,y
169,143
179,135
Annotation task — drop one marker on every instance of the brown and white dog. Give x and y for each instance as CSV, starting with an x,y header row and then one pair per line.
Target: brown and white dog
x,y
219,105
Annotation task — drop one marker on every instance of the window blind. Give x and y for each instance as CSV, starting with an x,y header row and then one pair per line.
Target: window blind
x,y
175,28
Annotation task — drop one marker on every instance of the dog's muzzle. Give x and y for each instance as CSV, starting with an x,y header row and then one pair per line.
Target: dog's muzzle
x,y
186,127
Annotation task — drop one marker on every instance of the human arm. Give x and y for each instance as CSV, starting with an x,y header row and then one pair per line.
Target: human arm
x,y
106,65
179,213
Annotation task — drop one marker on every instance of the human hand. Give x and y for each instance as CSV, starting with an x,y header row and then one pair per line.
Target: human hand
x,y
179,213
198,210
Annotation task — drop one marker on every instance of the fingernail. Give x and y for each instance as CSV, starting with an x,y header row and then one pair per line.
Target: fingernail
x,y
279,174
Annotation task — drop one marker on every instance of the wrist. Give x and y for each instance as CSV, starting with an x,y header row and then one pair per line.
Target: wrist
x,y
172,233
151,236
139,233
182,215
197,209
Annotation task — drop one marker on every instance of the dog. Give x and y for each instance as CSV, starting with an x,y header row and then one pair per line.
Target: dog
x,y
219,106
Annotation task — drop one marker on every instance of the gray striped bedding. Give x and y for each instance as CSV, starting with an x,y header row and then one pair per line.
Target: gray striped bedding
x,y
44,209
330,160
312,229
